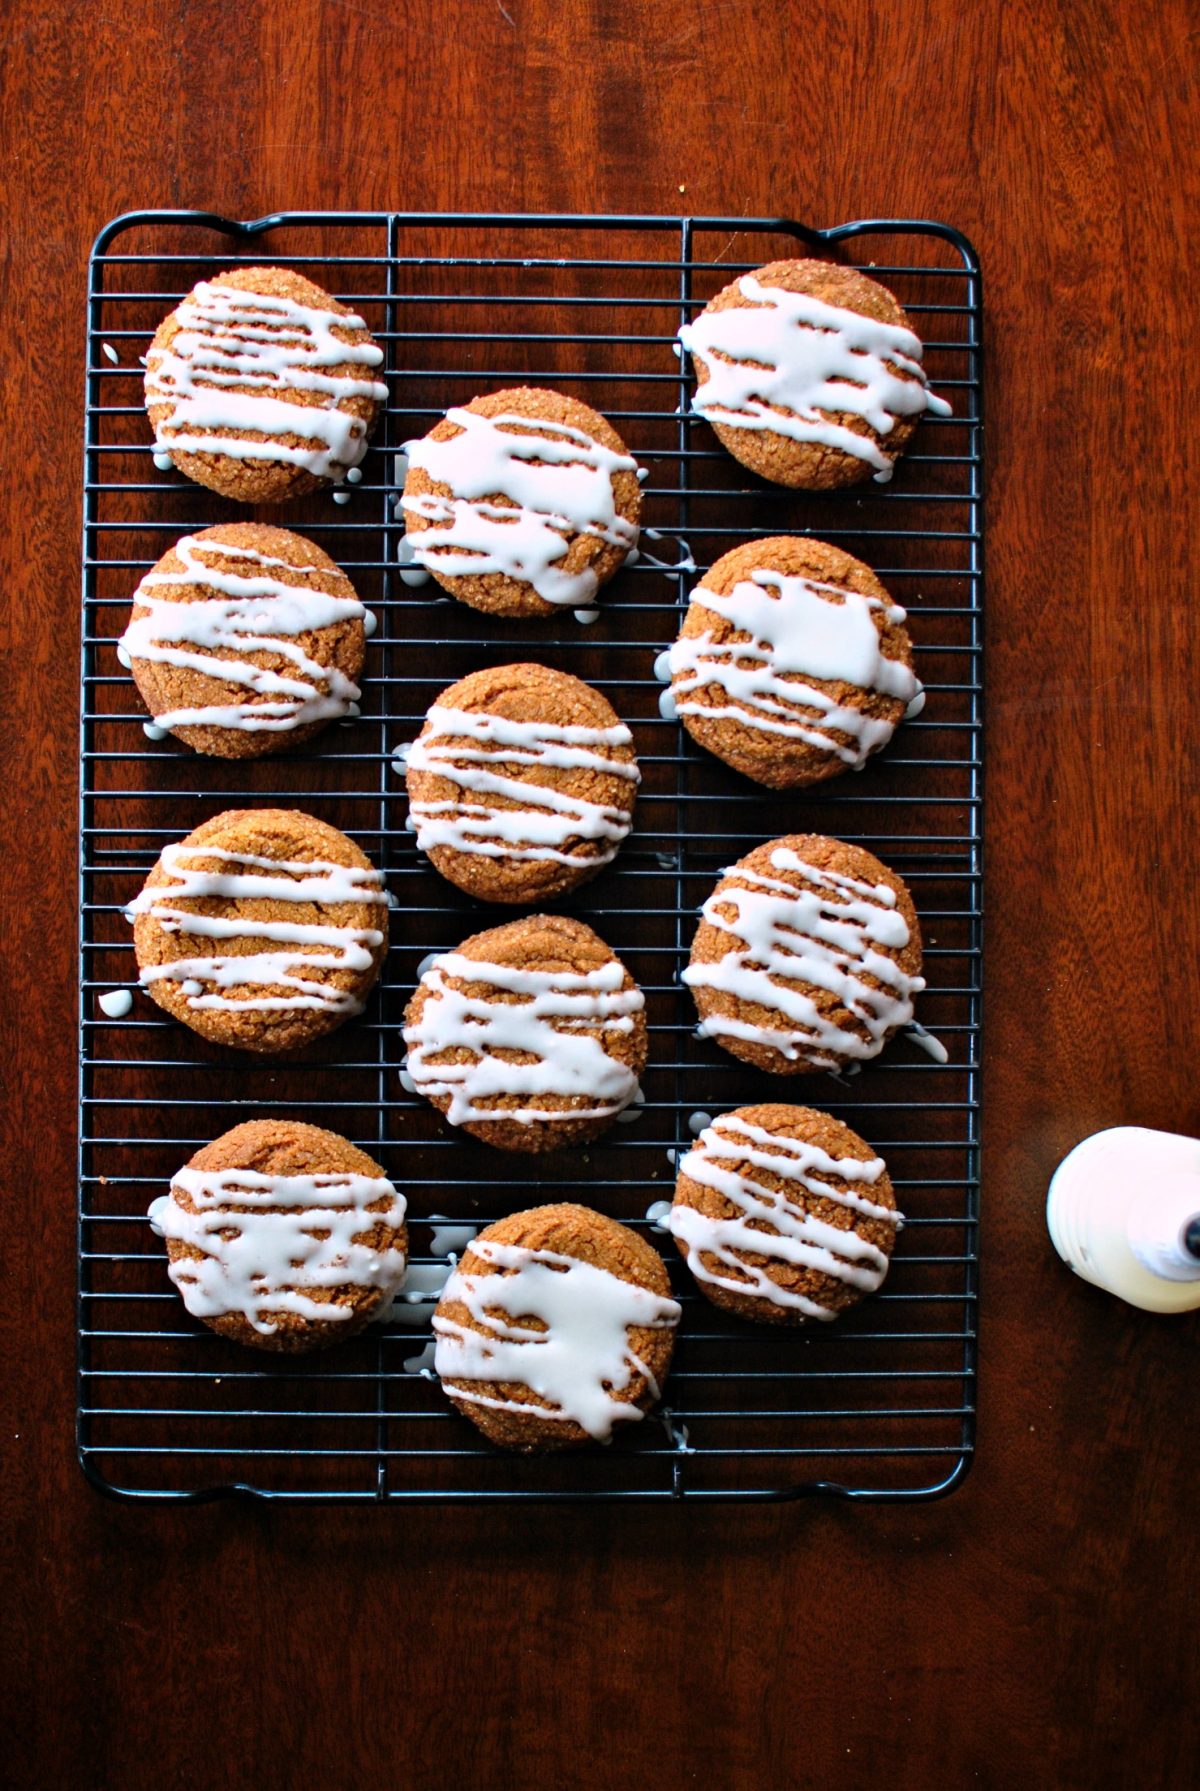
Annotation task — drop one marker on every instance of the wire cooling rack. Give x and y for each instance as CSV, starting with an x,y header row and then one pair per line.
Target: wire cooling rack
x,y
880,1405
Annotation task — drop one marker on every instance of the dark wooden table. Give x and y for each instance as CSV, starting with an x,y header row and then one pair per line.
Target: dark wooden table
x,y
1037,1628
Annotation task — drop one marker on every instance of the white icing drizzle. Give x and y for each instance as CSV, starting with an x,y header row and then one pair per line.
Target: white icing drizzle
x,y
110,353
830,935
449,1239
932,1047
314,880
548,820
422,1363
813,359
116,1004
657,1213
582,1358
560,480
549,1025
260,1262
798,627
254,612
793,1235
235,353
412,1303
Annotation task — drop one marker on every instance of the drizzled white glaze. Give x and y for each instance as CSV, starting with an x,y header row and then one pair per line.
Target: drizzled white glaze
x,y
254,611
560,480
814,359
795,1236
492,762
116,1004
578,1363
831,934
235,354
547,1024
315,880
799,628
266,1261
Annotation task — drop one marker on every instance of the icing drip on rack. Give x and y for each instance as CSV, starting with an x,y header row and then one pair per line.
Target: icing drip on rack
x,y
267,1260
548,1024
560,480
791,351
794,1236
798,628
254,612
481,753
234,355
578,1362
831,934
317,881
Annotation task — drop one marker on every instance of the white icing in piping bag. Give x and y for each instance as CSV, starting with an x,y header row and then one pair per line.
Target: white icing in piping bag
x,y
577,1363
813,359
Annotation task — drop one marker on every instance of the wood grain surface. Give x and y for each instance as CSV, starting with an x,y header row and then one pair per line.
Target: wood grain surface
x,y
1037,1628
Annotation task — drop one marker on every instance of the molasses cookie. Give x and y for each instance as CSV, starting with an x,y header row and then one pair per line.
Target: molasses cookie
x,y
807,956
522,502
521,784
245,639
259,385
810,374
793,663
263,929
283,1236
784,1214
556,1326
529,1036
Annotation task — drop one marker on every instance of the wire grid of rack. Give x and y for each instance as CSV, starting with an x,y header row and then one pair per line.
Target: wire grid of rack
x,y
880,1405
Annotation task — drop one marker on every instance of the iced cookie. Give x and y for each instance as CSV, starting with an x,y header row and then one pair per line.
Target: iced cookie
x,y
807,956
263,929
283,1236
793,663
529,1036
555,1327
522,502
244,640
521,784
783,1214
810,374
262,387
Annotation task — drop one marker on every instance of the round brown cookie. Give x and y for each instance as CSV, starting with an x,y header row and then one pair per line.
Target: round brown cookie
x,y
814,465
299,985
490,743
589,558
807,956
248,1270
320,648
285,358
580,1235
788,1176
762,737
529,1036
